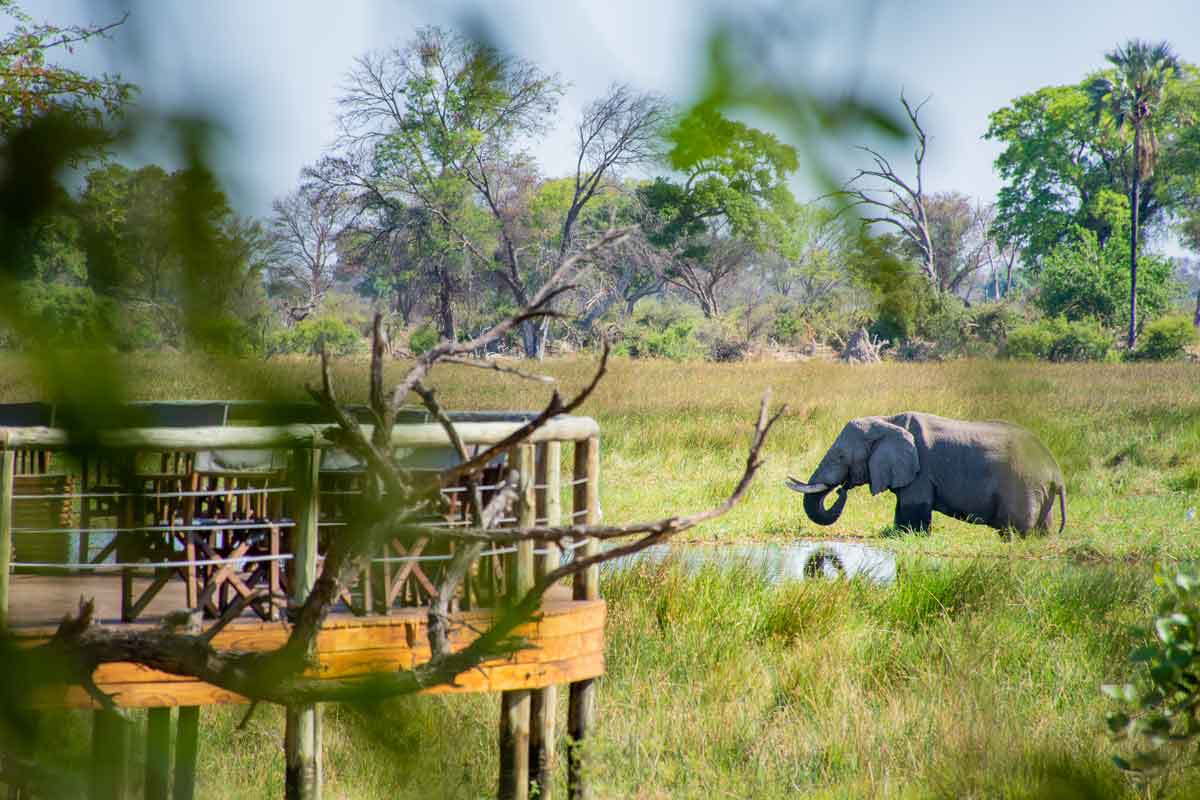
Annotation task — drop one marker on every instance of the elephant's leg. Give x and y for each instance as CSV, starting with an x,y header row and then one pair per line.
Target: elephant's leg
x,y
914,510
1043,518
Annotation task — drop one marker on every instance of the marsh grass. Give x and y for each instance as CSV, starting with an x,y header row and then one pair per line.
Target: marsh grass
x,y
975,675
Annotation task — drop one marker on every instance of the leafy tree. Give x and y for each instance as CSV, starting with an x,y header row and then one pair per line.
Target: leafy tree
x,y
441,124
1130,99
1057,161
31,85
1082,278
170,247
732,186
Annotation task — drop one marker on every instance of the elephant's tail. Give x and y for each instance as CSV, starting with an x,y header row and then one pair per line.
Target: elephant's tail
x,y
1062,506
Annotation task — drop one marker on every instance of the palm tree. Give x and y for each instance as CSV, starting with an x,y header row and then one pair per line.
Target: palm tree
x,y
1131,94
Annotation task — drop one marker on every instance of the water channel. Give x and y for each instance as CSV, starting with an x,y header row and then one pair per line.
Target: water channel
x,y
777,562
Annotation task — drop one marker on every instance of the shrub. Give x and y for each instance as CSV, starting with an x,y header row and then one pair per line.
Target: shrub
x,y
993,322
1165,339
661,330
422,339
1082,279
1159,715
1058,339
304,337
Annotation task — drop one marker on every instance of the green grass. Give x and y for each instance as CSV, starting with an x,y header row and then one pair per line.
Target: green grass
x,y
975,675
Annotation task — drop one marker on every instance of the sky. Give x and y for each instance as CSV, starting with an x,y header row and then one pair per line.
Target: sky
x,y
270,70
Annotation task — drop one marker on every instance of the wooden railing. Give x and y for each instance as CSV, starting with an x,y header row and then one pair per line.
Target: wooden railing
x,y
528,731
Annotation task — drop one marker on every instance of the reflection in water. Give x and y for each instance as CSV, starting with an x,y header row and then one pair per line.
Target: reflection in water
x,y
778,562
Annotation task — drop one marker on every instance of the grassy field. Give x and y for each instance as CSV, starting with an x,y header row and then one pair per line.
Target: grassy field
x,y
975,675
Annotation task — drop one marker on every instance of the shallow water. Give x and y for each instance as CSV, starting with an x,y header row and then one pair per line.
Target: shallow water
x,y
778,562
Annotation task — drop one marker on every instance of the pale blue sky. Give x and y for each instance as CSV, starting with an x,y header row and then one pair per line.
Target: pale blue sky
x,y
270,69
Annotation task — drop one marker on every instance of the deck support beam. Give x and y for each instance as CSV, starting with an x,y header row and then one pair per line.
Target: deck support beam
x,y
544,706
515,705
302,737
187,747
158,753
110,756
581,707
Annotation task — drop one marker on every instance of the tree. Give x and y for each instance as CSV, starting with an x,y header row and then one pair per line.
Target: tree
x,y
170,249
960,236
903,202
305,230
441,124
1057,161
732,187
1082,278
31,86
1129,98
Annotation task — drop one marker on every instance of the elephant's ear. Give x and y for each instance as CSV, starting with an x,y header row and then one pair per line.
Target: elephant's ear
x,y
893,463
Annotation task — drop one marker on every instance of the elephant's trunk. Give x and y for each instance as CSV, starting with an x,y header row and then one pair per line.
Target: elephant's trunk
x,y
814,506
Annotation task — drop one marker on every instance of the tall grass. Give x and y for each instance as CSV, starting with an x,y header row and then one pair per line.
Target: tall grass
x,y
975,675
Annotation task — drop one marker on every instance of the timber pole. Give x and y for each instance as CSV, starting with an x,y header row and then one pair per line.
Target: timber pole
x,y
187,748
581,708
515,704
302,736
544,706
158,753
6,530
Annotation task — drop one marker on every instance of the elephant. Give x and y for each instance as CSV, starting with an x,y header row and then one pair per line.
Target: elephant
x,y
990,473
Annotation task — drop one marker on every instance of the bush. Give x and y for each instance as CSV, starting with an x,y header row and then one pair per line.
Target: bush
x,y
1158,714
1081,279
993,322
304,337
1058,339
661,330
1165,339
423,339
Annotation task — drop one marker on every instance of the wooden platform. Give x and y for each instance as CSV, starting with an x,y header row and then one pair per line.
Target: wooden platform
x,y
567,645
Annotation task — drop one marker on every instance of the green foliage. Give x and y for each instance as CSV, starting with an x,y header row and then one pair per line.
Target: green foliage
x,y
897,288
661,330
993,322
1057,160
1083,279
1059,339
32,85
1160,712
306,337
1166,338
423,339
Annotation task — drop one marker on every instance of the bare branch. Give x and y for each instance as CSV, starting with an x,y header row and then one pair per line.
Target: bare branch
x,y
498,367
555,408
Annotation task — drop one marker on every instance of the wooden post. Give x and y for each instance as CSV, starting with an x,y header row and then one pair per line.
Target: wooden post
x,y
187,746
581,709
514,705
158,753
6,530
545,701
110,756
302,736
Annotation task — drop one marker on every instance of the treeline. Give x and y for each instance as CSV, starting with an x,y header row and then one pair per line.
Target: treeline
x,y
432,207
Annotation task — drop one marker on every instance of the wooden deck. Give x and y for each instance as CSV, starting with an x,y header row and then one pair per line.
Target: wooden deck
x,y
567,644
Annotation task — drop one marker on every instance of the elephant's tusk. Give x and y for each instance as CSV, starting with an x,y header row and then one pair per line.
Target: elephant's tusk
x,y
805,488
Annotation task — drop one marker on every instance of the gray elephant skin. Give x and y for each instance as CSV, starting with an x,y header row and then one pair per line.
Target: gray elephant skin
x,y
990,473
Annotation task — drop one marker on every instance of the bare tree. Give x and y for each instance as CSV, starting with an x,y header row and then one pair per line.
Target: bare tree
x,y
305,228
962,245
705,267
903,202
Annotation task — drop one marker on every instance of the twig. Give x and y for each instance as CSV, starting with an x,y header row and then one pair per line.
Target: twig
x,y
556,407
497,367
